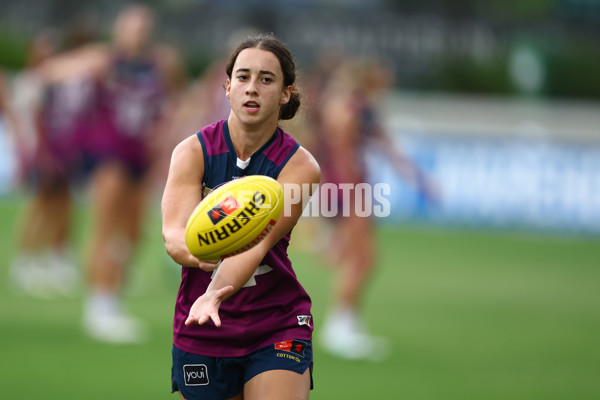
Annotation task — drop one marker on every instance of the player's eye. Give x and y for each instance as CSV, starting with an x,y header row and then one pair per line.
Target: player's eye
x,y
267,79
242,77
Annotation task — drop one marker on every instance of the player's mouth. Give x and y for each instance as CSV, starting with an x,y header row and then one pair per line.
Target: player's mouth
x,y
251,106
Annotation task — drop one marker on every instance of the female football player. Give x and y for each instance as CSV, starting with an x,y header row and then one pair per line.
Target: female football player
x,y
349,126
47,120
136,83
242,327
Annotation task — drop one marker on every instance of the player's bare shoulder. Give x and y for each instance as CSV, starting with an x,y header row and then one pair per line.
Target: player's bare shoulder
x,y
188,154
187,163
304,165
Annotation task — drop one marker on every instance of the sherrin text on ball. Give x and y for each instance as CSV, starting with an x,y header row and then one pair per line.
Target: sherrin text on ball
x,y
234,217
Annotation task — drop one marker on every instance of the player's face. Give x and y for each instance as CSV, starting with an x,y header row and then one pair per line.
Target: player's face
x,y
256,90
133,28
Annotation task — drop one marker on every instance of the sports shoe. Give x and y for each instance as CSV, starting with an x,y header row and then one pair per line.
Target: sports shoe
x,y
104,320
44,275
63,275
28,275
344,336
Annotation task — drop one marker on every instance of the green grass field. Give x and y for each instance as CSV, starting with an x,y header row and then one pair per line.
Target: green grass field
x,y
471,315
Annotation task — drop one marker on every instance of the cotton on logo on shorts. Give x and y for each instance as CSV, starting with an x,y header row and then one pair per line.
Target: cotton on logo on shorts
x,y
195,374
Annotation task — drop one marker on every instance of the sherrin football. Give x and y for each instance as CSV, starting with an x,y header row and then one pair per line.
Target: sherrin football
x,y
234,217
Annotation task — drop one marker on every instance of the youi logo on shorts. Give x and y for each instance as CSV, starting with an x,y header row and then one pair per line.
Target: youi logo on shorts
x,y
195,374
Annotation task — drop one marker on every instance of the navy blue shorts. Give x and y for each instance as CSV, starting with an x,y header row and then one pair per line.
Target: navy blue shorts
x,y
217,378
135,171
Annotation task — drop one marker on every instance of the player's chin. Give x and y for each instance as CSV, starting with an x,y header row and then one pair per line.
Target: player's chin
x,y
251,115
251,119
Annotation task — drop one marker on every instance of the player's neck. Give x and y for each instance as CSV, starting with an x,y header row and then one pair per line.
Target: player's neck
x,y
132,51
247,138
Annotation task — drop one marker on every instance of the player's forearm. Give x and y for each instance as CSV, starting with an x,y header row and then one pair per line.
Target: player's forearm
x,y
403,165
174,239
236,271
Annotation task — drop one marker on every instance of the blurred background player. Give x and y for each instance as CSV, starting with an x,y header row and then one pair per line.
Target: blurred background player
x,y
347,126
50,118
203,101
137,84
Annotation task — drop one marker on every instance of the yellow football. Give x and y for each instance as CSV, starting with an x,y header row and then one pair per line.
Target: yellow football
x,y
234,217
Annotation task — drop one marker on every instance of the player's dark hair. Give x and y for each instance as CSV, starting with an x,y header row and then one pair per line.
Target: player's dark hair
x,y
270,43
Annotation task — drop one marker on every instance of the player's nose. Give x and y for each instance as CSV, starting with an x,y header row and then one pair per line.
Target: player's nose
x,y
251,88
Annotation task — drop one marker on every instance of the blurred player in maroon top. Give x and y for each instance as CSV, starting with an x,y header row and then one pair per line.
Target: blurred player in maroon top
x,y
50,119
348,126
137,83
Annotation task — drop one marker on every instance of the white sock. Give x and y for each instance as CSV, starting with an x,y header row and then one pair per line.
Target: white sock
x,y
102,302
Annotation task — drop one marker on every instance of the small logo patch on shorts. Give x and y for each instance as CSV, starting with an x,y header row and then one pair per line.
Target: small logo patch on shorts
x,y
293,346
195,374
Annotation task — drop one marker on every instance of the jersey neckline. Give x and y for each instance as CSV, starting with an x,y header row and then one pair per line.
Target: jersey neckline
x,y
233,154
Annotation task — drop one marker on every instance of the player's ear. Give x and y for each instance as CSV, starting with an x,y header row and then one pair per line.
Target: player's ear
x,y
285,95
227,88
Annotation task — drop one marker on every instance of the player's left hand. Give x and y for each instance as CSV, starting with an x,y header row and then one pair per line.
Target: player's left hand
x,y
206,307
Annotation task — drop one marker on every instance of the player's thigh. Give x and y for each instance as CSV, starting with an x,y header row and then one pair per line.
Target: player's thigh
x,y
110,188
198,377
238,397
133,208
278,384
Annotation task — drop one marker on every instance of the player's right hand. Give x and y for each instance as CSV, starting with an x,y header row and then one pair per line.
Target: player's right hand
x,y
206,307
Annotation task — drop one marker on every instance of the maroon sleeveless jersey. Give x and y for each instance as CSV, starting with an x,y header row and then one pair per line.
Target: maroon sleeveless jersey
x,y
272,306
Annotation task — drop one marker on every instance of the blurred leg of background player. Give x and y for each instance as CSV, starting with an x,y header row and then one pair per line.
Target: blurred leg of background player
x,y
353,255
43,266
44,130
136,94
118,210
